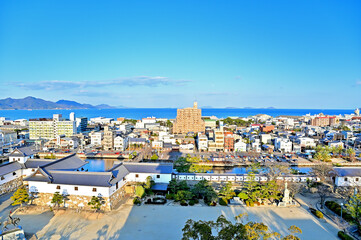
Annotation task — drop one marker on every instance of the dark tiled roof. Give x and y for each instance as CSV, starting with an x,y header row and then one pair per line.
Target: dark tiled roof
x,y
9,167
119,172
35,163
71,162
149,167
22,152
348,171
99,179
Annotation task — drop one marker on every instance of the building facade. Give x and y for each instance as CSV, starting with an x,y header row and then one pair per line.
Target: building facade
x,y
189,120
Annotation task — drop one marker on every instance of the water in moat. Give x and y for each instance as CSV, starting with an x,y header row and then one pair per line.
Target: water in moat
x,y
101,165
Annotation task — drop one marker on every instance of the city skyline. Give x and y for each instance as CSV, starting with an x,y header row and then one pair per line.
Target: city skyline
x,y
300,54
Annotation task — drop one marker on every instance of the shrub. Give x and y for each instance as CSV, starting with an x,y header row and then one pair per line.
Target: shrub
x,y
316,213
257,203
196,201
183,203
344,236
247,203
136,201
251,204
169,196
191,202
139,191
223,202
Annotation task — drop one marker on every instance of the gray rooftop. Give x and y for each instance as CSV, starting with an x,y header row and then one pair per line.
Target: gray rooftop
x,y
71,162
22,152
35,163
348,171
9,167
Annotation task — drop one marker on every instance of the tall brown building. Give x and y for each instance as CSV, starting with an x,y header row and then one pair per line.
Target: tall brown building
x,y
323,121
189,120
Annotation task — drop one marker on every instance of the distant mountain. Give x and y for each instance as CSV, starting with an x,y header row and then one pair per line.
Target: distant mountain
x,y
38,103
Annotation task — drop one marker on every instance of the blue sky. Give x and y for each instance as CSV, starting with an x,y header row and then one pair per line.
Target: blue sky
x,y
284,54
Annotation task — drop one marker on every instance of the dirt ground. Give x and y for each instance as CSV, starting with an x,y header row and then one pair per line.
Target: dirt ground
x,y
158,222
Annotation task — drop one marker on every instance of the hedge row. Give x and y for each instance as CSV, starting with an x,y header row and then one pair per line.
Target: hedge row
x,y
336,208
344,236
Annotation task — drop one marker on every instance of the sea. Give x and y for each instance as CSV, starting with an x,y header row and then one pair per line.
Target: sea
x,y
170,113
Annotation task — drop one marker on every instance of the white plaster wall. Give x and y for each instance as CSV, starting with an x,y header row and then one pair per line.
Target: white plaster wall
x,y
164,178
44,187
9,177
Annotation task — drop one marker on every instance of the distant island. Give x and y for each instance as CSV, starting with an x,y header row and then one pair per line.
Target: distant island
x,y
33,103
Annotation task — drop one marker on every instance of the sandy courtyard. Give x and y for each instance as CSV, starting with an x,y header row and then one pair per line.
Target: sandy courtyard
x,y
166,222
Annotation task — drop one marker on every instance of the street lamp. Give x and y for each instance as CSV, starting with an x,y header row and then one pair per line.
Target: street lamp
x,y
341,210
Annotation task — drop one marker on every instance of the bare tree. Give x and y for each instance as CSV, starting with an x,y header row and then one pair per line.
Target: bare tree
x,y
275,170
324,173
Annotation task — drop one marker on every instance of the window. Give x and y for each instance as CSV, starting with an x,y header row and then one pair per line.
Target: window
x,y
158,176
136,175
58,187
14,173
116,186
33,170
75,188
94,189
356,179
2,178
346,179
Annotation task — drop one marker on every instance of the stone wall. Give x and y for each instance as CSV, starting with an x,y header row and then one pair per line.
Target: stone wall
x,y
73,201
11,186
117,196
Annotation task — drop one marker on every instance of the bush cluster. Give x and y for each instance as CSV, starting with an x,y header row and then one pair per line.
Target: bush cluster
x,y
316,213
344,236
137,201
183,203
336,208
223,201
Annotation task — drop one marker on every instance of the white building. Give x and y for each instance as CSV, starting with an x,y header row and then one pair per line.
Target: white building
x,y
101,120
240,146
120,143
96,138
266,138
202,142
336,144
157,144
81,186
283,145
306,142
348,176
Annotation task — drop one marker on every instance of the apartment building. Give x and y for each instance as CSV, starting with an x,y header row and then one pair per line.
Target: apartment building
x,y
96,138
219,139
81,124
228,142
50,128
283,144
189,120
323,121
202,142
108,138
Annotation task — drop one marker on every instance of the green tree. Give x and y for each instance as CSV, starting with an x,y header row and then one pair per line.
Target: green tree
x,y
20,196
223,229
149,182
139,191
227,191
183,195
57,199
154,157
354,208
96,203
